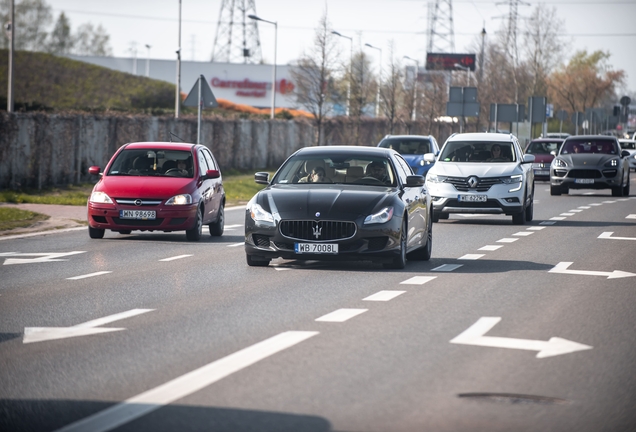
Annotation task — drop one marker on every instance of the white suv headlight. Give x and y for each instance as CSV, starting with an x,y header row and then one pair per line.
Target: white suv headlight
x,y
183,199
100,198
513,180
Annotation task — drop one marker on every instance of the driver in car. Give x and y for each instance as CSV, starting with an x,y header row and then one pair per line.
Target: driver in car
x,y
377,170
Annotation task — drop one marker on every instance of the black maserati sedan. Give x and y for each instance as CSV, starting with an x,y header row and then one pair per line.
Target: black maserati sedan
x,y
340,203
590,162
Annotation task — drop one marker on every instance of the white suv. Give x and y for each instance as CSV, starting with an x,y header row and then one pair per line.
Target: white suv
x,y
482,173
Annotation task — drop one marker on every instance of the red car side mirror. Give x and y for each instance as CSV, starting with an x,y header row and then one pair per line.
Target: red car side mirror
x,y
212,174
94,170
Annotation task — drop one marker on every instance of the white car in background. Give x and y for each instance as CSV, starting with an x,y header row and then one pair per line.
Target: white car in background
x,y
630,146
468,178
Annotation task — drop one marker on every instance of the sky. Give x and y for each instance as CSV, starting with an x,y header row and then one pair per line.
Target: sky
x,y
590,25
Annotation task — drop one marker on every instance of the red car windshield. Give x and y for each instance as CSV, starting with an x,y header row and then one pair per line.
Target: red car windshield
x,y
152,162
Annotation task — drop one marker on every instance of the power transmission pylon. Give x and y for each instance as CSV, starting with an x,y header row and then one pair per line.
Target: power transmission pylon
x,y
511,48
441,35
237,39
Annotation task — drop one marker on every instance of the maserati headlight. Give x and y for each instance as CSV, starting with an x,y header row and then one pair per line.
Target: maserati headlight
x,y
100,198
183,199
513,180
382,216
436,178
559,163
612,163
259,215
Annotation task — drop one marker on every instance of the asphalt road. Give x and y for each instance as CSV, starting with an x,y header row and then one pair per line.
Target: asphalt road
x,y
524,328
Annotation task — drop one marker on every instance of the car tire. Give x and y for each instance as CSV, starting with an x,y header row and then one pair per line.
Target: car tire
x,y
519,218
125,231
555,190
95,233
194,234
530,209
617,191
436,216
216,228
399,262
252,262
424,253
626,188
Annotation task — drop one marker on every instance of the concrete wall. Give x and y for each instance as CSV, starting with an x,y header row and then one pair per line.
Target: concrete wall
x,y
40,150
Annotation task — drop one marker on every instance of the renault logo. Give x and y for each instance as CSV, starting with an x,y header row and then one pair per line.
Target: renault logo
x,y
473,181
317,231
138,202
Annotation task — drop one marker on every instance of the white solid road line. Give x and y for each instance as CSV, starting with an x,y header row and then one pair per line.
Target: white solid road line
x,y
17,236
39,257
474,335
341,315
384,295
89,275
175,258
187,384
418,280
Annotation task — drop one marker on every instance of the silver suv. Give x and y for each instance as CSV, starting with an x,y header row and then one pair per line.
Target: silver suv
x,y
482,173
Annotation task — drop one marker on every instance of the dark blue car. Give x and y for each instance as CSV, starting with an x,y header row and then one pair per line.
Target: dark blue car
x,y
413,148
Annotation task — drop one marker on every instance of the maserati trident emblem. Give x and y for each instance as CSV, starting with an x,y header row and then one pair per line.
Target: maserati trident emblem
x,y
317,214
473,181
317,231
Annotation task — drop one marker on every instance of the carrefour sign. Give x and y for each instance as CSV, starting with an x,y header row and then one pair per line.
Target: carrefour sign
x,y
249,88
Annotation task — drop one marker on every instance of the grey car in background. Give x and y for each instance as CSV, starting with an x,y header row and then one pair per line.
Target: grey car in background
x,y
590,162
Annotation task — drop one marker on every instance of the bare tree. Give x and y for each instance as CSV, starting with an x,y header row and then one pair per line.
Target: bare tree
x,y
543,47
61,41
313,75
32,19
391,91
92,41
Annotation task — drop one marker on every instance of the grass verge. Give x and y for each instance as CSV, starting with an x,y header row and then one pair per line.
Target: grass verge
x,y
11,218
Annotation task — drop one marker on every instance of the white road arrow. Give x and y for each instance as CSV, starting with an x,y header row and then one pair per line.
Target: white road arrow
x,y
562,267
608,235
475,336
39,334
39,257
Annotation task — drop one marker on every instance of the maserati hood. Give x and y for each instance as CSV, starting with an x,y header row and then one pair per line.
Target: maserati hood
x,y
335,202
479,169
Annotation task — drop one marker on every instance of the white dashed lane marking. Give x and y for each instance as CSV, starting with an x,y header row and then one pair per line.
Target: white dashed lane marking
x,y
631,216
507,240
175,258
89,275
447,267
609,202
585,207
539,228
232,227
384,296
596,204
567,214
341,315
523,233
471,257
575,211
418,280
490,247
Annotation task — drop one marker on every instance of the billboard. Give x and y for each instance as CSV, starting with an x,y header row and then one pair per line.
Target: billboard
x,y
447,61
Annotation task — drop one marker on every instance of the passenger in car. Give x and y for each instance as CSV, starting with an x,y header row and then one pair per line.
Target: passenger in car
x,y
317,175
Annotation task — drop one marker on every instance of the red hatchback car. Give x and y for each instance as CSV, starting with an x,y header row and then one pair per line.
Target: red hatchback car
x,y
544,150
158,186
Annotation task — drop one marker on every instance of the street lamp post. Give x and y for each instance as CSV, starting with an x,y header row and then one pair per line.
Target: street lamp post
x,y
350,69
148,61
177,102
254,17
11,34
377,96
417,70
